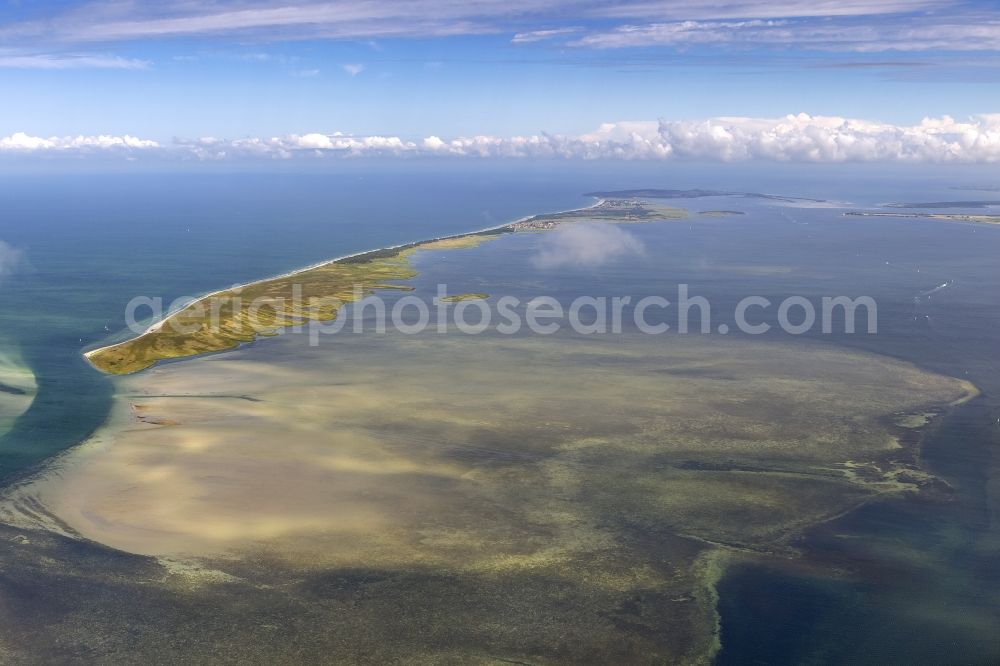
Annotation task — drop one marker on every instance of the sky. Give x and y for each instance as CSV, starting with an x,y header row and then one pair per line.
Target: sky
x,y
228,80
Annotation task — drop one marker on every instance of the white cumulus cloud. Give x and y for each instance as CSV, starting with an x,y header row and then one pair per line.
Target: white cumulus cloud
x,y
805,138
20,142
587,245
792,138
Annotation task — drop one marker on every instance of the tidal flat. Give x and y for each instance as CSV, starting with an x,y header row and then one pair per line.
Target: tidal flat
x,y
466,493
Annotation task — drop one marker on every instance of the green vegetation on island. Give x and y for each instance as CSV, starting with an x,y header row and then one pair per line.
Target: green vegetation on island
x,y
226,319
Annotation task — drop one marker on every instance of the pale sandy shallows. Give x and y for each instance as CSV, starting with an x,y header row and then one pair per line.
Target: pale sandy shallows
x,y
616,466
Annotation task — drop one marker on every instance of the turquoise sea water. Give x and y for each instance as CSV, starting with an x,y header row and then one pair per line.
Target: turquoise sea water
x,y
916,578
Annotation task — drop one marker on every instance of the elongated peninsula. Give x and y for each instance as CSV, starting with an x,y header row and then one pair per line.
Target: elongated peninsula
x,y
226,319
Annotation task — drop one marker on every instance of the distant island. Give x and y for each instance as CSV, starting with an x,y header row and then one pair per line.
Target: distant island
x,y
945,204
694,194
953,217
620,209
977,188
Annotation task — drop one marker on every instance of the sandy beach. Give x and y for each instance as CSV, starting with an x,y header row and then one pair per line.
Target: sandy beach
x,y
156,326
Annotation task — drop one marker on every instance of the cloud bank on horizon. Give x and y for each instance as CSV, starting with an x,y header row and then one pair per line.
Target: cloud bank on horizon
x,y
793,138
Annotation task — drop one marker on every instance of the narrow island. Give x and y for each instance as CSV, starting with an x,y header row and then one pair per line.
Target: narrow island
x,y
228,318
950,217
944,204
654,193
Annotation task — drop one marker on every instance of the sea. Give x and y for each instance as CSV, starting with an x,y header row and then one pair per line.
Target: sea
x,y
918,579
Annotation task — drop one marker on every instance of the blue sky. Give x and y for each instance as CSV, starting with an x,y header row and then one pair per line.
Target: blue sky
x,y
178,72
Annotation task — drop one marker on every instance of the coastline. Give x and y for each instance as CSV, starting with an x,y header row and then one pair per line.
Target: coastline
x,y
500,228
987,220
711,577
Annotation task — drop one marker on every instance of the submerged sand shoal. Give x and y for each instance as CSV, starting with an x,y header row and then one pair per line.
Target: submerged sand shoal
x,y
596,485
